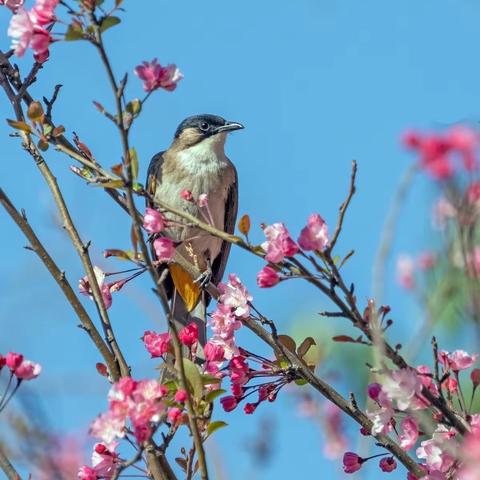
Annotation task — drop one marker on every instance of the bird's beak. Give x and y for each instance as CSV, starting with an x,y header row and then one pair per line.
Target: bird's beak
x,y
229,127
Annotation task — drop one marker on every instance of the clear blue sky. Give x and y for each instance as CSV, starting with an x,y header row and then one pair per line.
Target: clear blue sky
x,y
316,84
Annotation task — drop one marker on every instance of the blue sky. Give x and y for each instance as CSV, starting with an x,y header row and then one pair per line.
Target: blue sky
x,y
316,84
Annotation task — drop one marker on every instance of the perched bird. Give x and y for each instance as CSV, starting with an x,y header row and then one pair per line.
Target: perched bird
x,y
196,162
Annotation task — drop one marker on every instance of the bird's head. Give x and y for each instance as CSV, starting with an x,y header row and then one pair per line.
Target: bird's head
x,y
210,129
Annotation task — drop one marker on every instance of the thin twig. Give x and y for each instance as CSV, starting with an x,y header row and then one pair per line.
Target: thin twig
x,y
7,467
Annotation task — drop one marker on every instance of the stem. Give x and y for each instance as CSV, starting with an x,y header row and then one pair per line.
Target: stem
x,y
7,467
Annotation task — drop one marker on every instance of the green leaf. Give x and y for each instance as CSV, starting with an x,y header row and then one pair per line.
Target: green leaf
x,y
111,184
134,162
134,107
193,377
210,379
214,426
109,22
24,127
211,396
74,32
301,381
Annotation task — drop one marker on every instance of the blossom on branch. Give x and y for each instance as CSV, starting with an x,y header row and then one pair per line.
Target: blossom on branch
x,y
315,235
154,76
279,243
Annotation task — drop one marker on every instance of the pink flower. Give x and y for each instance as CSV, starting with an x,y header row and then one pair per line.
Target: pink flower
x,y
84,287
409,435
224,322
228,403
315,235
457,360
267,277
279,244
174,415
437,152
21,30
189,334
382,420
186,195
181,396
214,352
352,462
155,76
406,271
153,221
439,452
87,473
402,385
164,248
28,370
13,5
426,260
13,360
388,464
235,296
156,343
109,426
104,461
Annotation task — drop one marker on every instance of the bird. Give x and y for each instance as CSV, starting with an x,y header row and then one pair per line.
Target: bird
x,y
196,163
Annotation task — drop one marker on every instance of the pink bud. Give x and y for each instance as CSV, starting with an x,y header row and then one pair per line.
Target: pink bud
x,y
189,334
228,403
156,343
249,408
237,390
181,396
352,462
214,352
87,473
186,195
388,464
3,361
315,235
374,390
475,377
13,360
164,248
174,415
153,221
267,277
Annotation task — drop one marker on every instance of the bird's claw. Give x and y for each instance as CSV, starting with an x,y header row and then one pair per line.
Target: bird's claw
x,y
204,278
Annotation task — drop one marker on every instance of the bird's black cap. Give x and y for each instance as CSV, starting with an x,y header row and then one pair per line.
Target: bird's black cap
x,y
208,124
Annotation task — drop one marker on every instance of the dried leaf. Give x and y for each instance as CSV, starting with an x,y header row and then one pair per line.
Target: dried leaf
x,y
288,342
343,338
244,225
35,112
305,346
24,127
182,463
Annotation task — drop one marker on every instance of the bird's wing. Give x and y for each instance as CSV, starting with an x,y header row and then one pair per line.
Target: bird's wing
x,y
154,175
231,208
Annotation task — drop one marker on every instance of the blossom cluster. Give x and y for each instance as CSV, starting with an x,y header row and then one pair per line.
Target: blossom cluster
x,y
401,407
280,245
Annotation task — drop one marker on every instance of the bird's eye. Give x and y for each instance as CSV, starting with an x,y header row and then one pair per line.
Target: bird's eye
x,y
204,126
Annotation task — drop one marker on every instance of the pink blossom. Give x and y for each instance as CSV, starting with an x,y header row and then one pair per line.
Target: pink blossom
x,y
403,386
181,396
174,415
28,370
235,296
406,271
155,76
409,435
388,464
352,462
439,452
154,221
470,454
164,248
279,244
84,287
104,461
214,352
189,334
249,408
3,361
87,473
224,322
13,5
267,277
108,426
156,343
437,152
238,370
229,403
315,235
27,29
457,360
13,360
382,420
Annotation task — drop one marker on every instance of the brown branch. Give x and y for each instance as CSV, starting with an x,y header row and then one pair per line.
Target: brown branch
x,y
7,467
60,278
